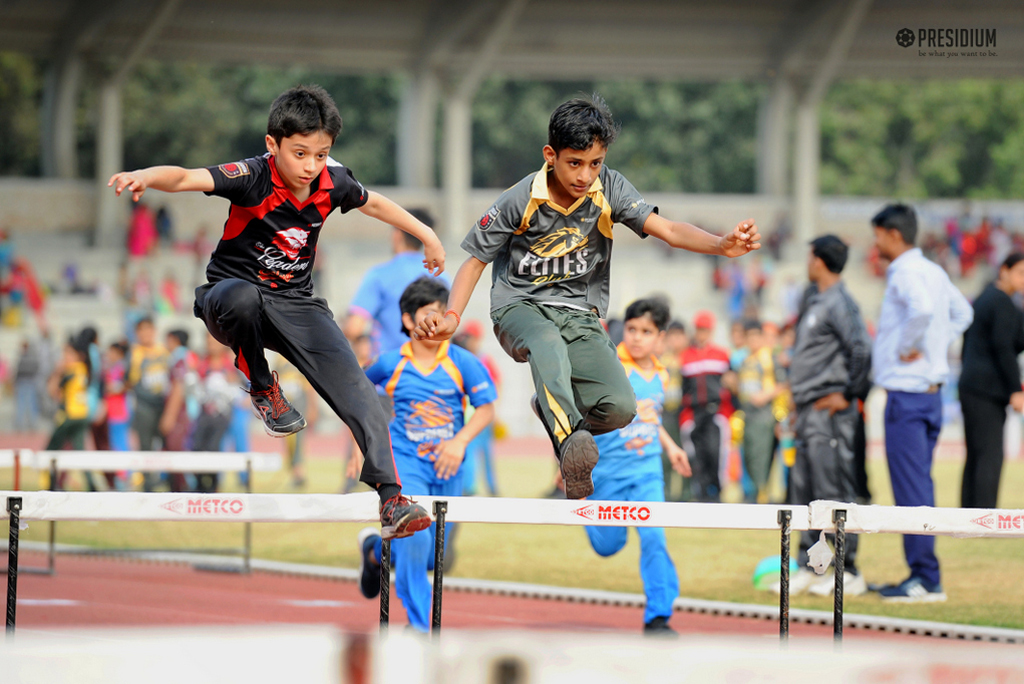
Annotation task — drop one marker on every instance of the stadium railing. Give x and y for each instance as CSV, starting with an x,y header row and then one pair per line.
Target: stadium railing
x,y
829,516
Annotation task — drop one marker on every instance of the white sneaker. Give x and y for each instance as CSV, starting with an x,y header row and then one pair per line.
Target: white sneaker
x,y
853,585
799,582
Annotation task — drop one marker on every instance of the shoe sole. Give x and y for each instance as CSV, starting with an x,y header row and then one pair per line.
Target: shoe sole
x,y
579,456
287,430
406,527
927,598
365,534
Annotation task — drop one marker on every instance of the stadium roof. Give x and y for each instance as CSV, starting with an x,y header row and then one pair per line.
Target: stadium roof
x,y
549,39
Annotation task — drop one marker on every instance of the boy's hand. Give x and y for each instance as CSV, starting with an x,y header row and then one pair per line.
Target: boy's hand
x,y
743,239
355,465
447,457
433,257
128,180
833,403
680,462
435,327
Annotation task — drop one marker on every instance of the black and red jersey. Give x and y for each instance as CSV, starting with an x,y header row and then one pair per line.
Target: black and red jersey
x,y
702,369
270,237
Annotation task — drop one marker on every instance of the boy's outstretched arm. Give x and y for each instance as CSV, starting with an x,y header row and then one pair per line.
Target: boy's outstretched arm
x,y
164,178
438,327
381,208
744,237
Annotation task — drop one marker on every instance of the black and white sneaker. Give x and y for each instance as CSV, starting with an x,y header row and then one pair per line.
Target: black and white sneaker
x,y
279,417
369,568
659,627
400,517
577,460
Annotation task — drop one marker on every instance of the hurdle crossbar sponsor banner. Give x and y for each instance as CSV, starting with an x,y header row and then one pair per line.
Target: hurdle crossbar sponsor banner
x,y
363,507
924,520
155,461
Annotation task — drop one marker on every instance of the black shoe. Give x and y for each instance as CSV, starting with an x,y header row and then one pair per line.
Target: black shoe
x,y
402,517
578,458
369,568
535,405
280,418
658,627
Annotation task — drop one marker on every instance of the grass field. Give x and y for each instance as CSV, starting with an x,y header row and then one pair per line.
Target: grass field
x,y
981,576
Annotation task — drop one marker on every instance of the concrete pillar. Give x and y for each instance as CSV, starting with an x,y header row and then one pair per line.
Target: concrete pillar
x,y
59,118
806,167
458,162
773,120
417,126
111,211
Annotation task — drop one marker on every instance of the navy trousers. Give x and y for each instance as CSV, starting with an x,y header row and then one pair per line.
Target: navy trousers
x,y
912,424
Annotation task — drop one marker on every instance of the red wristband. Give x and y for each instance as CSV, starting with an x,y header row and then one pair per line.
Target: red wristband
x,y
458,318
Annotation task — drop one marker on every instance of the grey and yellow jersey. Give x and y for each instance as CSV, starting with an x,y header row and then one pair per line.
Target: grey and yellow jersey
x,y
542,252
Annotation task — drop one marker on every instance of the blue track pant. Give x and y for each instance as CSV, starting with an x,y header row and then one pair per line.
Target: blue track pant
x,y
661,583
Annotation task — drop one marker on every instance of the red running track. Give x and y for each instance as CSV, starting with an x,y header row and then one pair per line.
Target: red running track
x,y
95,592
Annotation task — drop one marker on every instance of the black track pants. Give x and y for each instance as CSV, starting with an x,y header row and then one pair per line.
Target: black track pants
x,y
249,319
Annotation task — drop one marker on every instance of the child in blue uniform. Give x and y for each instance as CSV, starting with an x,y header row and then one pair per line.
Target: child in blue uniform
x,y
630,469
429,382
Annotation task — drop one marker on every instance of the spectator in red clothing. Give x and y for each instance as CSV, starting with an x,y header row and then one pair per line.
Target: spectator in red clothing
x,y
142,235
705,430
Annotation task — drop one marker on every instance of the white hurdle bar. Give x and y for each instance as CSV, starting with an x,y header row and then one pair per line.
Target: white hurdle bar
x,y
830,516
57,462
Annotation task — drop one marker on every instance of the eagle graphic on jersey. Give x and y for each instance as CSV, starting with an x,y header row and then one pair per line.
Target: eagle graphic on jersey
x,y
559,243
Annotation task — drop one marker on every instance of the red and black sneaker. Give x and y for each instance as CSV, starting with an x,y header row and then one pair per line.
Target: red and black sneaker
x,y
400,517
279,417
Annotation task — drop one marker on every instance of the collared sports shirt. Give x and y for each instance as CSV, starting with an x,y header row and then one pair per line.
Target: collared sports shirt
x,y
635,450
270,237
542,252
429,401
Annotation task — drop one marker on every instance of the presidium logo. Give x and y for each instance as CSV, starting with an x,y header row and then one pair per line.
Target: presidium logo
x,y
969,41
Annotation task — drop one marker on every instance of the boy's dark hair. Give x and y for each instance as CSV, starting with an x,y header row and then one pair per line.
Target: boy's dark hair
x,y
677,325
1012,260
581,122
145,320
304,109
424,217
180,335
420,293
832,251
656,308
752,324
121,347
898,217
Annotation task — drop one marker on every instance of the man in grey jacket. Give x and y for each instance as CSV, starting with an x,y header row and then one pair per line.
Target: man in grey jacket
x,y
829,371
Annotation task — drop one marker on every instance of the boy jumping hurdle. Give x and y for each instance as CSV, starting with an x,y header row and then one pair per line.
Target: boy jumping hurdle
x,y
260,290
550,240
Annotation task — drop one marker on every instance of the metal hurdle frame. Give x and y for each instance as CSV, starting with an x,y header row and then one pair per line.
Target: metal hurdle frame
x,y
829,516
52,458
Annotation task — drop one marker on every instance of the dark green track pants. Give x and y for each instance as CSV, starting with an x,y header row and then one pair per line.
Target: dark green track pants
x,y
580,381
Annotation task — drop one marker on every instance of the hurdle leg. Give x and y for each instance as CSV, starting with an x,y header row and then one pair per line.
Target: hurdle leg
x,y
247,546
440,509
839,517
785,522
51,555
385,584
14,508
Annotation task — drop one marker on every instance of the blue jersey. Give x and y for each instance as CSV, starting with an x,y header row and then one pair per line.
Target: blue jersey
x,y
635,450
378,295
429,402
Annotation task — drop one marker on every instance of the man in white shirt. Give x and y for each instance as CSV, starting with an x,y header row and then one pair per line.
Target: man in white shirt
x,y
922,312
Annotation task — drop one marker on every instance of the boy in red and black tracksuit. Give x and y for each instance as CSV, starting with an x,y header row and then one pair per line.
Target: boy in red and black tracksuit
x,y
703,365
260,290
